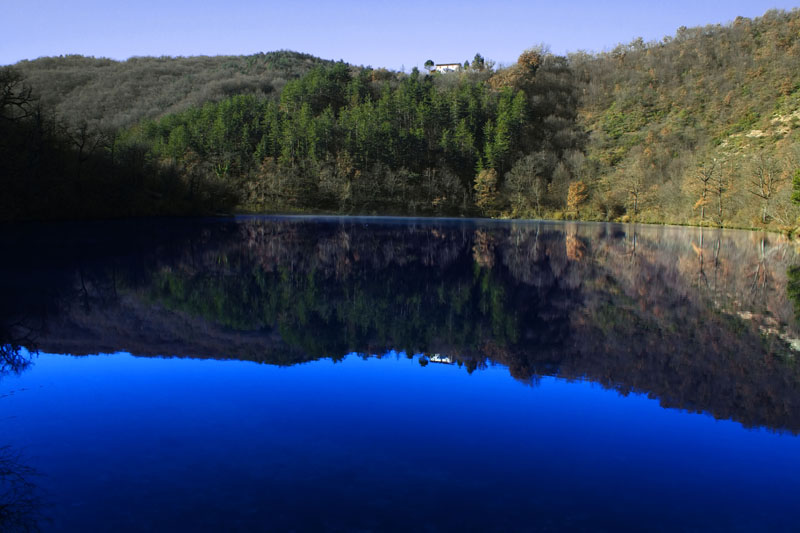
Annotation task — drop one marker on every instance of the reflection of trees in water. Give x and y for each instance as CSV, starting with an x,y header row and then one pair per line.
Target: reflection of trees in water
x,y
13,359
793,288
670,312
17,341
19,500
20,503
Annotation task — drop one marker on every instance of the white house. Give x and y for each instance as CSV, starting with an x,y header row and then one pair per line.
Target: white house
x,y
439,358
447,67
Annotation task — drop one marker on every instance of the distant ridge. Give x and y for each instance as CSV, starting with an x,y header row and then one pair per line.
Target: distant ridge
x,y
120,93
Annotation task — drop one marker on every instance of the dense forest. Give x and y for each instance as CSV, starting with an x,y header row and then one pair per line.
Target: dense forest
x,y
698,128
701,127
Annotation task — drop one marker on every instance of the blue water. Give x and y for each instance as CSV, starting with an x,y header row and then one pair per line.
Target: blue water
x,y
606,377
124,443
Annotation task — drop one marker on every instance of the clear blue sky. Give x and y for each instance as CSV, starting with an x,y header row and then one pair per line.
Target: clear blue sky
x,y
389,34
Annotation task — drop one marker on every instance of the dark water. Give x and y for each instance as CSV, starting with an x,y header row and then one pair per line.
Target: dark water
x,y
279,374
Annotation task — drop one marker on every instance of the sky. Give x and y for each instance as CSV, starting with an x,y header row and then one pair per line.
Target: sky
x,y
399,34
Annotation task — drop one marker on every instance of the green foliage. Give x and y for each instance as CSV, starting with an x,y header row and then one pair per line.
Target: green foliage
x,y
745,123
486,191
796,186
324,316
793,288
337,140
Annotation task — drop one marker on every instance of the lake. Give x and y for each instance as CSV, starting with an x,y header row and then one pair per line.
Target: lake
x,y
390,374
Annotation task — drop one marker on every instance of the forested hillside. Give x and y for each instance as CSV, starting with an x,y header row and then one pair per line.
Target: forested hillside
x,y
52,169
113,94
700,127
344,139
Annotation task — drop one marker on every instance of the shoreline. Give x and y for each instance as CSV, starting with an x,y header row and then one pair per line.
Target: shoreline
x,y
327,214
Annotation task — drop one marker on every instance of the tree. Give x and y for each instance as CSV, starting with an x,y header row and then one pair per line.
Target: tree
x,y
15,96
633,180
85,142
525,185
796,186
429,65
531,59
478,63
701,183
486,191
765,179
576,196
793,287
720,184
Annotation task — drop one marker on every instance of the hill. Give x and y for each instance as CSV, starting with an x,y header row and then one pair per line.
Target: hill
x,y
118,94
701,128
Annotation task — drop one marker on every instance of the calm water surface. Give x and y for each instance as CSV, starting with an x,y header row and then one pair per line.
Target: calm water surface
x,y
371,374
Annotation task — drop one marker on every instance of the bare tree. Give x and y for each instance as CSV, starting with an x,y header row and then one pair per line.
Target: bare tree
x,y
720,184
16,97
703,181
766,178
525,184
86,141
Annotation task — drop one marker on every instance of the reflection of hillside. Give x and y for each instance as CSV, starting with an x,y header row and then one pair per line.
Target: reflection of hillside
x,y
656,310
646,325
20,502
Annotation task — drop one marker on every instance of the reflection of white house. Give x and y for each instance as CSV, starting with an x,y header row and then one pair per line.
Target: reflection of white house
x,y
447,67
438,358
